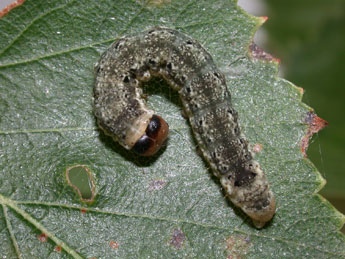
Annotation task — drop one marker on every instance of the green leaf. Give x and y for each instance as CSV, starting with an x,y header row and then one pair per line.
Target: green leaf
x,y
168,206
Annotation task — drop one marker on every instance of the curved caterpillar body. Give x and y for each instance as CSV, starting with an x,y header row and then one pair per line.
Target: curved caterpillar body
x,y
122,112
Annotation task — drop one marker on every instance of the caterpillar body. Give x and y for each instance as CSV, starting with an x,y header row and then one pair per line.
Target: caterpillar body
x,y
121,110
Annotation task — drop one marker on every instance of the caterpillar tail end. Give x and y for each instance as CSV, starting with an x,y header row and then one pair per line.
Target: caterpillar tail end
x,y
261,218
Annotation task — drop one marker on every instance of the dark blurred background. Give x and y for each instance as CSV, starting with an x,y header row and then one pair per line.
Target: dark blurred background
x,y
308,36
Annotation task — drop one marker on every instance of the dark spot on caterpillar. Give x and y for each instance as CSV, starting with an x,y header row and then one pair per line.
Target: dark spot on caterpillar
x,y
117,45
169,66
236,130
225,168
126,79
152,62
247,156
244,177
217,75
189,42
133,71
260,204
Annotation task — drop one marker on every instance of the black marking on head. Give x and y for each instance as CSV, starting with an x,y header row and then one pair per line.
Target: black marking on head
x,y
142,145
153,127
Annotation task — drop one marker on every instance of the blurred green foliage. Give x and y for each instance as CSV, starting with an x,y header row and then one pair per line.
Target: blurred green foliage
x,y
309,38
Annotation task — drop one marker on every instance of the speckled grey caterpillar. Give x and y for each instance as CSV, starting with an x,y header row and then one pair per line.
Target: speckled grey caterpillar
x,y
122,112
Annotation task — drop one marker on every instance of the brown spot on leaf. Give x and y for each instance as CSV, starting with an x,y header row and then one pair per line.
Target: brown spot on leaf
x,y
42,237
157,185
257,148
315,125
177,238
264,18
258,53
237,246
58,249
114,244
301,90
83,210
9,7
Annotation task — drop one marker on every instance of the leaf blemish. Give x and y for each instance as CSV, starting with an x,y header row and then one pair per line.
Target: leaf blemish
x,y
315,125
157,185
258,53
43,238
114,244
177,238
79,177
237,246
257,148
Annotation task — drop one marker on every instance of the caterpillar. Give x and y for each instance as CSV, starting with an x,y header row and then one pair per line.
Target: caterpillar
x,y
122,113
